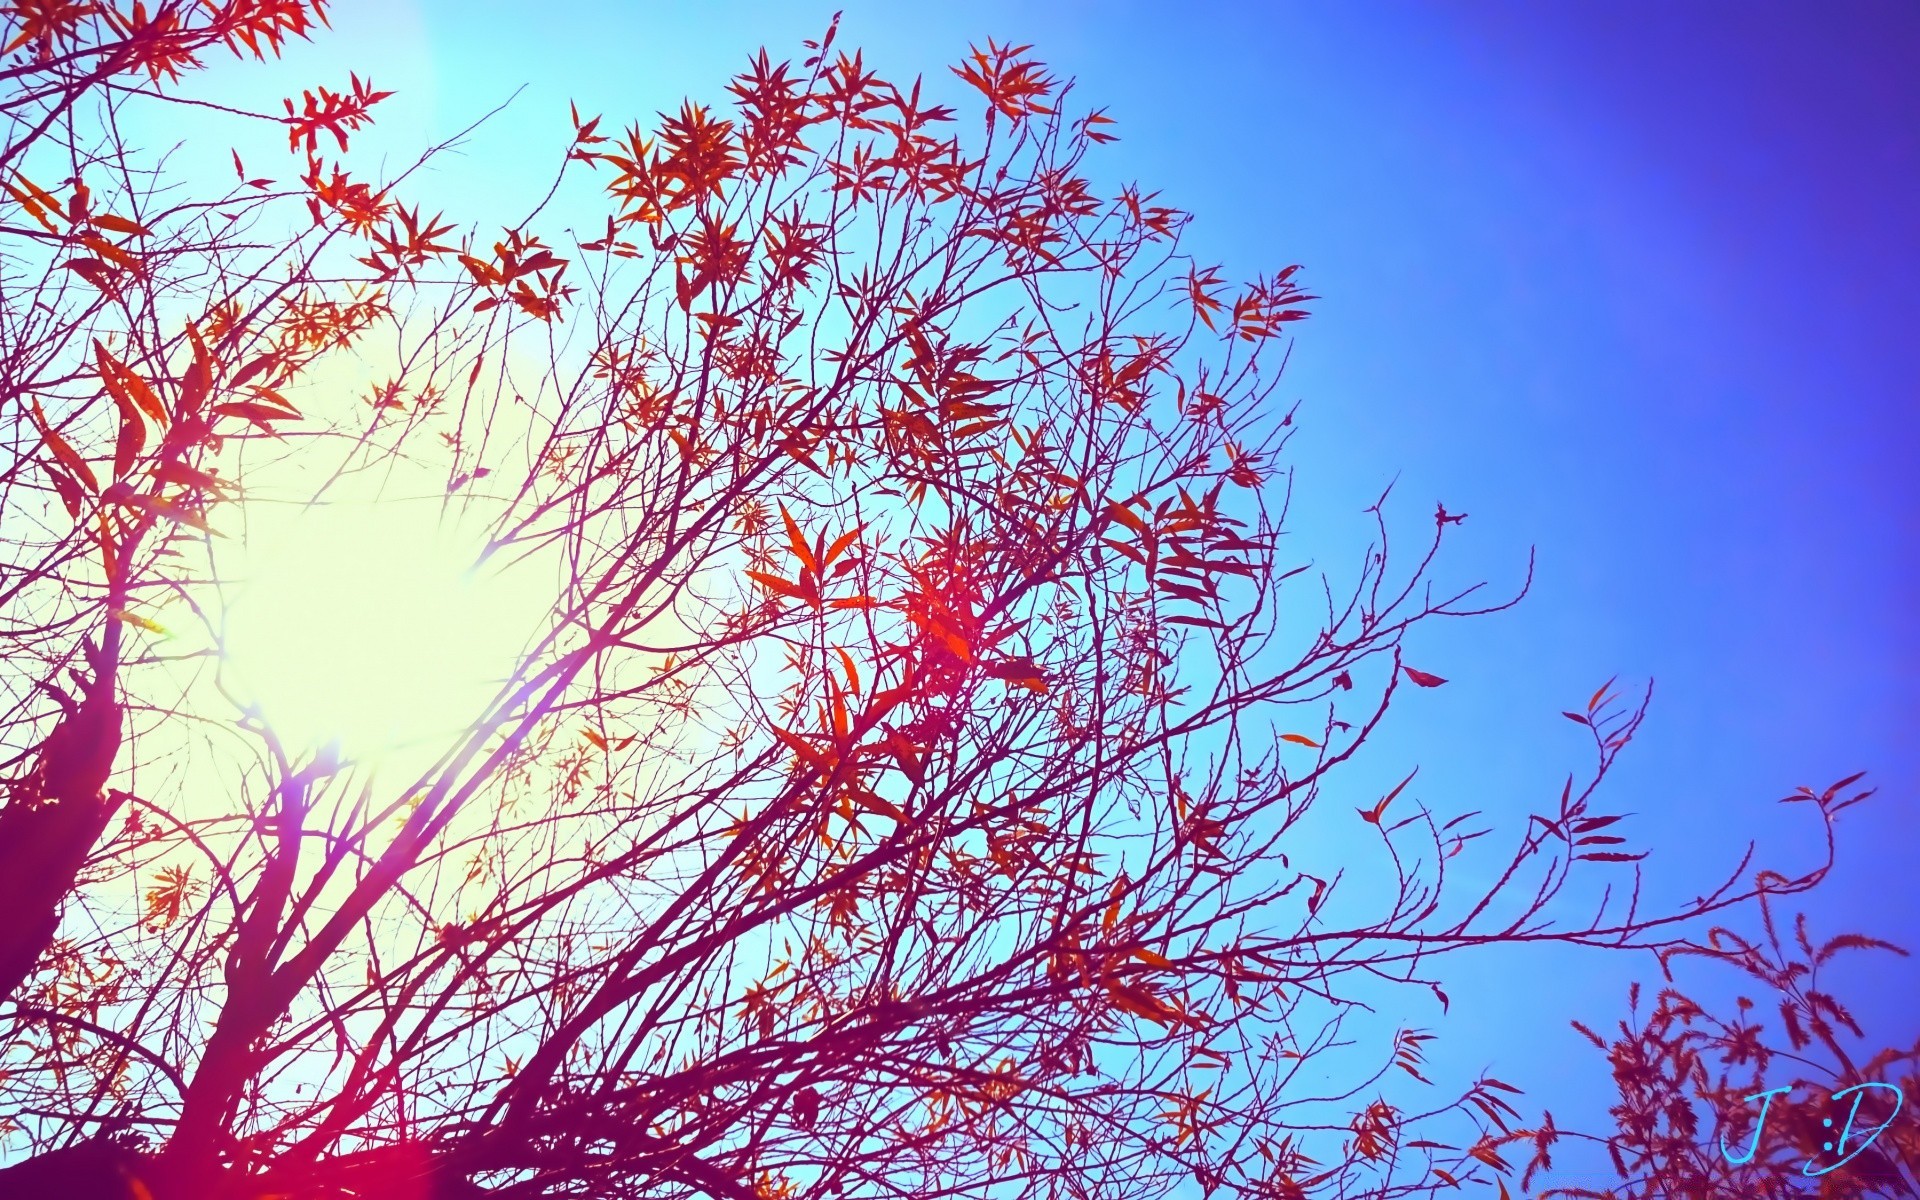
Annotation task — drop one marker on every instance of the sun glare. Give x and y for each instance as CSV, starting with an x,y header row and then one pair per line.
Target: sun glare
x,y
369,624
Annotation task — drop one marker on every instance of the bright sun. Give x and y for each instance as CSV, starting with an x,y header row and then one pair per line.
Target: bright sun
x,y
369,624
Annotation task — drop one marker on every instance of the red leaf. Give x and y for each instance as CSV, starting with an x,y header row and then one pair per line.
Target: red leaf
x,y
784,587
841,543
66,454
1372,816
798,541
1422,678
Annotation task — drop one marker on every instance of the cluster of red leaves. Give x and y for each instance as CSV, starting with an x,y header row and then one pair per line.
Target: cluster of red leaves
x,y
903,791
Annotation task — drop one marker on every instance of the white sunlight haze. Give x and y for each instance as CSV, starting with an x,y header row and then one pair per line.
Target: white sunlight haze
x,y
370,622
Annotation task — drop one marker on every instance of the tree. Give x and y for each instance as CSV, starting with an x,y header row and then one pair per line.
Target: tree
x,y
97,278
1713,1105
912,784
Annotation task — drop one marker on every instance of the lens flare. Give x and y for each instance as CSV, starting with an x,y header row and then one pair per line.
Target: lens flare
x,y
371,625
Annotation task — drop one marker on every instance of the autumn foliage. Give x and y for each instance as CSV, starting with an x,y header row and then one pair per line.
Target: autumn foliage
x,y
915,784
1778,1093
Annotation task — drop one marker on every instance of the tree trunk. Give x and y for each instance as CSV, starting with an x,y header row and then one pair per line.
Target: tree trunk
x,y
96,1169
52,818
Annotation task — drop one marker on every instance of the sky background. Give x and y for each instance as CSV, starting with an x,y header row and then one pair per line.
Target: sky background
x,y
1637,284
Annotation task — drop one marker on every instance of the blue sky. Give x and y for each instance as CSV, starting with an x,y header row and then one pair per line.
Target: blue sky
x,y
1631,283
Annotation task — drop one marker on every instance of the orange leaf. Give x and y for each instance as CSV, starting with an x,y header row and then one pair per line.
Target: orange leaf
x,y
798,541
267,393
258,414
808,752
1372,816
841,727
875,804
1126,516
172,471
841,543
115,224
125,386
783,586
1142,1003
62,450
114,254
174,512
853,672
907,755
1112,915
138,621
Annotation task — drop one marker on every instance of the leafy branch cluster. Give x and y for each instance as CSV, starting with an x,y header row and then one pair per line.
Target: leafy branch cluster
x,y
908,788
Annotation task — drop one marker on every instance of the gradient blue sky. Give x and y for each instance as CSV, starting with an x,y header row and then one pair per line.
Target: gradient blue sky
x,y
1635,283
